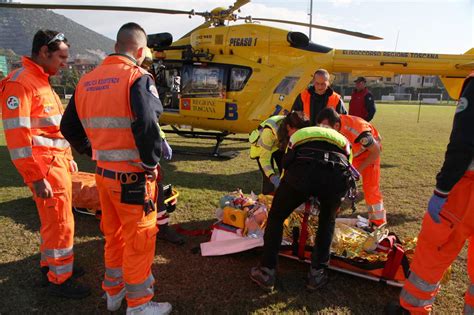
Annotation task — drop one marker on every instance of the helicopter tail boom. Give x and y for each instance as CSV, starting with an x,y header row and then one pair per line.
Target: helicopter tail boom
x,y
452,69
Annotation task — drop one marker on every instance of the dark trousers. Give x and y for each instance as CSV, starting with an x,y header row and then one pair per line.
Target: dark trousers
x,y
327,182
267,186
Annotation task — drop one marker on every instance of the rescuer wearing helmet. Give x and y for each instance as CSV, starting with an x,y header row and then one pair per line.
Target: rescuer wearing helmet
x,y
31,113
113,118
315,164
366,147
318,96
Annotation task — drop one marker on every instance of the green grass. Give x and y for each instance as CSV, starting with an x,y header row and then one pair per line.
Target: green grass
x,y
412,155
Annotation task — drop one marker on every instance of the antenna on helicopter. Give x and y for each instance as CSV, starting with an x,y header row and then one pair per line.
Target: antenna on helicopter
x,y
310,17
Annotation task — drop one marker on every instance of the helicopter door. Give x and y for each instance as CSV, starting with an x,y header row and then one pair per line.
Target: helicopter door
x,y
203,91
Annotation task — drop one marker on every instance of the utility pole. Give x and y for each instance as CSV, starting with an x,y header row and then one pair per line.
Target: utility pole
x,y
310,16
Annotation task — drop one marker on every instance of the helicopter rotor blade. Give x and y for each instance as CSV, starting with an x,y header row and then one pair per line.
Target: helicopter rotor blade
x,y
98,8
321,27
238,4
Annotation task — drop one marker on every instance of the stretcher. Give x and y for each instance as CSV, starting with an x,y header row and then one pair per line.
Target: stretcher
x,y
85,196
378,256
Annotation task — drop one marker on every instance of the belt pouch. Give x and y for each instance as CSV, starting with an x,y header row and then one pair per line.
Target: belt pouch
x,y
133,189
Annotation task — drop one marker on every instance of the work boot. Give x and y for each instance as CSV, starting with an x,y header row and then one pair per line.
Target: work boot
x,y
115,301
70,289
150,308
169,234
77,272
264,277
394,308
317,278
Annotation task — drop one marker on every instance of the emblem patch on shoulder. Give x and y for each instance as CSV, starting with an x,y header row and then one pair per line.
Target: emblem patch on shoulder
x,y
153,91
13,102
364,141
48,108
462,104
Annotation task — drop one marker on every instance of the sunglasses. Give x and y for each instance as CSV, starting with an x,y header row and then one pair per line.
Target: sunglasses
x,y
58,36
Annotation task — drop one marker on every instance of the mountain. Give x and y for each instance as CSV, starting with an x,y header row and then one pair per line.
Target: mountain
x,y
18,26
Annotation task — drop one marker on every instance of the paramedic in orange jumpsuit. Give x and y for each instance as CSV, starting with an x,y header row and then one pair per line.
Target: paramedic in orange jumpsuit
x,y
113,118
365,141
449,221
31,115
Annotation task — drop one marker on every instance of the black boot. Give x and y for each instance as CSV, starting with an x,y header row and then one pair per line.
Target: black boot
x,y
70,289
394,308
77,272
317,278
168,234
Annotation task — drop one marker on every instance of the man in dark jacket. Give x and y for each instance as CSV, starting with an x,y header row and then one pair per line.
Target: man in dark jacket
x,y
318,96
362,101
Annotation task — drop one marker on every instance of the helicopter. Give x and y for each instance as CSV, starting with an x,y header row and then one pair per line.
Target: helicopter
x,y
227,78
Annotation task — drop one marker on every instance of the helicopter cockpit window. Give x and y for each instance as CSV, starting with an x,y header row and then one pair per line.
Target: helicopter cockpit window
x,y
286,85
238,78
203,82
168,80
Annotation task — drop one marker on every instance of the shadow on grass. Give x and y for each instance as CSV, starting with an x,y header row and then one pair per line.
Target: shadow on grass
x,y
9,175
193,284
384,165
396,218
23,211
21,284
203,153
221,284
218,182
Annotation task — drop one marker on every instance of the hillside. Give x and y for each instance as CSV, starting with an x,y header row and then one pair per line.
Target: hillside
x,y
17,27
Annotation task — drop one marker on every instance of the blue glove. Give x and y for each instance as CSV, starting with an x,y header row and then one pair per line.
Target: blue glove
x,y
435,205
166,150
275,180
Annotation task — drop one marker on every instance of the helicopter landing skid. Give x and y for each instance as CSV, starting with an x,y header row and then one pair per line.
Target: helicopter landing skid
x,y
224,156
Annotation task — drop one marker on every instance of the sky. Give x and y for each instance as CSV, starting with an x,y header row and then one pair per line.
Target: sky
x,y
437,26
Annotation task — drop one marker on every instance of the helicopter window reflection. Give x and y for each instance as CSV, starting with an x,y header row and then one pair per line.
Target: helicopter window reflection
x,y
238,78
286,85
176,80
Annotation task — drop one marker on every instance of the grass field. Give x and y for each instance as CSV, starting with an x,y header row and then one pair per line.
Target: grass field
x,y
412,155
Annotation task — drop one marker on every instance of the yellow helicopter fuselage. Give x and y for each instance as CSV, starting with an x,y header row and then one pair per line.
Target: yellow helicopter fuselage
x,y
279,65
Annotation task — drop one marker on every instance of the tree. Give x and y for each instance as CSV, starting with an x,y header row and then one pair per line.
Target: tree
x,y
69,80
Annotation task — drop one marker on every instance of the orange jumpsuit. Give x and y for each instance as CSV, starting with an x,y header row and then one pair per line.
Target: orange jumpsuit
x,y
32,113
440,243
113,117
355,129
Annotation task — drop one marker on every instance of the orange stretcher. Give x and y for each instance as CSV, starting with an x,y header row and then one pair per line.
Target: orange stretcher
x,y
85,196
362,269
389,264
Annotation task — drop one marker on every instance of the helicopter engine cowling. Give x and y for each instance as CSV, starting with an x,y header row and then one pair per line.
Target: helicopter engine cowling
x,y
159,41
297,39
